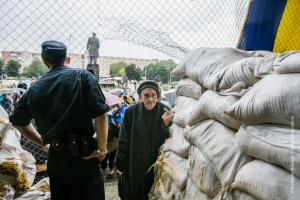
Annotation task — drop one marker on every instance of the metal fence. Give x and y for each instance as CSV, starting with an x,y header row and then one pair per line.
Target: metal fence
x,y
169,26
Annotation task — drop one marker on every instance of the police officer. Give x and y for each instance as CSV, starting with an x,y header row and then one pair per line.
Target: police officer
x,y
63,104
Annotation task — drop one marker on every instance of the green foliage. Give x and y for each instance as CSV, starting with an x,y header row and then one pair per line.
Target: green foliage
x,y
160,71
2,66
116,67
133,73
35,69
13,68
122,73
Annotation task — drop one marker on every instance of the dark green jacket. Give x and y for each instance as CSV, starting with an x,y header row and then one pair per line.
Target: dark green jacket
x,y
137,150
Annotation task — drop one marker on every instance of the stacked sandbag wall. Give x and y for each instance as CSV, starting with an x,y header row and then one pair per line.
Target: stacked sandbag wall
x,y
242,132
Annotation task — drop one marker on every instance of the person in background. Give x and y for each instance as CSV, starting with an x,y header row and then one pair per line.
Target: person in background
x,y
7,103
114,121
63,104
143,131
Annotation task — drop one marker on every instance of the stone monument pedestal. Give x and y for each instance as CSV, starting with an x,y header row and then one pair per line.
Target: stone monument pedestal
x,y
94,69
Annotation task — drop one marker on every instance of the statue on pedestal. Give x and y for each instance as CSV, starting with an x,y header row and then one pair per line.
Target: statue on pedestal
x,y
93,46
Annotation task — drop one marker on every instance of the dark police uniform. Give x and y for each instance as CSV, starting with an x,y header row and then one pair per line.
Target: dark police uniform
x,y
63,102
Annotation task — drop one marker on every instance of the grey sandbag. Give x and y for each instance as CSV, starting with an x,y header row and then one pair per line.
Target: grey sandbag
x,y
176,168
275,99
212,105
202,174
164,188
219,147
206,66
182,108
189,88
265,181
288,62
177,143
273,144
247,70
238,195
193,193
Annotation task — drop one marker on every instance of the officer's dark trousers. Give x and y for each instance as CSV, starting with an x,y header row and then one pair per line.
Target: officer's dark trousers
x,y
72,178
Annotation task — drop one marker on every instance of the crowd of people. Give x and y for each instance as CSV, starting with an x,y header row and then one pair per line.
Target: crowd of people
x,y
68,107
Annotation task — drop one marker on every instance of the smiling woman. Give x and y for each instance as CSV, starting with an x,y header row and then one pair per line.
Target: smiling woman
x,y
142,133
149,98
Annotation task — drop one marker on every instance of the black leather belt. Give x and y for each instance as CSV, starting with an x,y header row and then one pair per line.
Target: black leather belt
x,y
77,145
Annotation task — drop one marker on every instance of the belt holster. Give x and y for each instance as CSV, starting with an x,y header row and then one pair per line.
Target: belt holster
x,y
73,145
87,145
57,146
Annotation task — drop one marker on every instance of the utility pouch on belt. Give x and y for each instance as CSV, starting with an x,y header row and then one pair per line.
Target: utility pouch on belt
x,y
57,146
87,145
73,145
77,145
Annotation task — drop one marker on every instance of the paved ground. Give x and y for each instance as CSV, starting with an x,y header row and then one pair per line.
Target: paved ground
x,y
111,190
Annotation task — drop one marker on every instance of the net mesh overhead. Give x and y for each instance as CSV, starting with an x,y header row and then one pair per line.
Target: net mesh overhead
x,y
172,27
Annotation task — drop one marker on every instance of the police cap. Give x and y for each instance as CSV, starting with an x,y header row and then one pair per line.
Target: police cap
x,y
54,51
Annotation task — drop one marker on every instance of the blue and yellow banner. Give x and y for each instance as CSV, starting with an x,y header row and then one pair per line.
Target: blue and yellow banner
x,y
272,25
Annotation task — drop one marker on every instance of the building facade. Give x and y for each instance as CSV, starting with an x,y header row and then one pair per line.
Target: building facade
x,y
25,58
106,61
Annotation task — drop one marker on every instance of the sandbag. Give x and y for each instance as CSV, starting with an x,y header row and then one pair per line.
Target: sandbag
x,y
40,191
163,187
182,109
238,195
3,116
176,168
193,193
17,167
212,105
43,185
177,143
35,195
266,66
260,53
288,62
206,66
265,181
218,145
202,173
239,89
274,99
277,145
10,136
247,70
6,191
187,87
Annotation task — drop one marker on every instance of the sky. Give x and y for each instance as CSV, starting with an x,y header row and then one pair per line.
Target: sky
x,y
119,48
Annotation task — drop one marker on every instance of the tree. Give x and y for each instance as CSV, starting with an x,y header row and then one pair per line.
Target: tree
x,y
116,67
150,71
133,73
139,74
160,71
1,67
123,74
164,74
35,69
13,68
